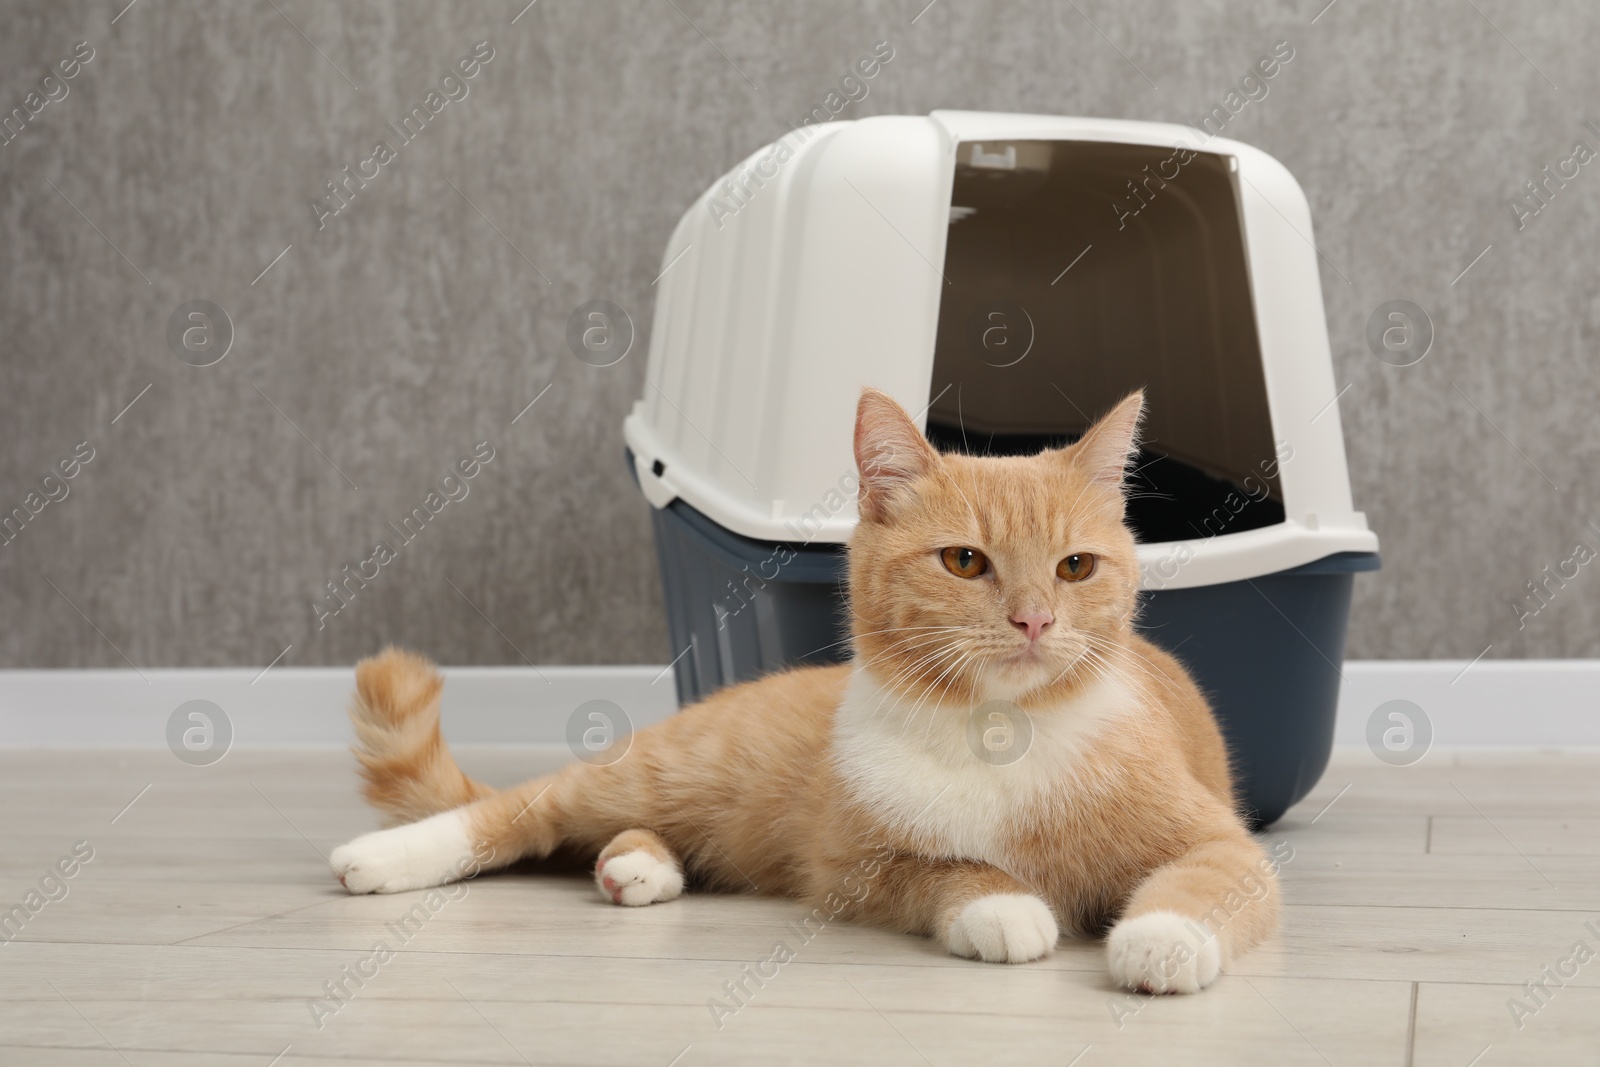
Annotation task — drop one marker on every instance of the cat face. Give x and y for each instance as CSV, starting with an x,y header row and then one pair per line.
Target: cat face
x,y
977,578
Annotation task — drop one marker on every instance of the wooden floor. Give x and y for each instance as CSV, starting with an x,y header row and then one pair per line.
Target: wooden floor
x,y
203,930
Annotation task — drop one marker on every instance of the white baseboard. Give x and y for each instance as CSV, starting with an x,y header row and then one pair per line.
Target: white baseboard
x,y
296,706
1502,703
1495,703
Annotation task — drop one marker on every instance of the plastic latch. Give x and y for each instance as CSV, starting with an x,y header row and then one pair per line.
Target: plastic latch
x,y
652,482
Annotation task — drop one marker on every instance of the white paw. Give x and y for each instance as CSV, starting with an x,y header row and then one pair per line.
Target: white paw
x,y
1003,928
1162,952
637,878
423,854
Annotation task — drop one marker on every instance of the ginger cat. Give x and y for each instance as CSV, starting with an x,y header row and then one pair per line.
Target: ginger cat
x,y
1004,756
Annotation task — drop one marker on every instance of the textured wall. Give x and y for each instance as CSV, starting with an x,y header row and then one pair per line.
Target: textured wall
x,y
379,350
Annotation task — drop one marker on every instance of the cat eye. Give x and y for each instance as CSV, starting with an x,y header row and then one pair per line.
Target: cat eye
x,y
1076,567
964,562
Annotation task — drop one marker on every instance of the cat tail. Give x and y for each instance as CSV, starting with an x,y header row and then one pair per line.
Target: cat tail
x,y
408,769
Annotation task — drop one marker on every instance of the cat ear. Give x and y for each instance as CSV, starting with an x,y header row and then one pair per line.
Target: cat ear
x,y
1110,444
891,453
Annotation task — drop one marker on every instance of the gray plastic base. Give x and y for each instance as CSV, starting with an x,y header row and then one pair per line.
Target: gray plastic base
x,y
1266,651
738,609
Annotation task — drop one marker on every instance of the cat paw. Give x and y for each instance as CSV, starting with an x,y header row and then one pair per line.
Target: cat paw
x,y
1162,952
637,878
1003,928
416,856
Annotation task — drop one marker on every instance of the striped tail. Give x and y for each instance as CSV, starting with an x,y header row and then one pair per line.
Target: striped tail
x,y
408,770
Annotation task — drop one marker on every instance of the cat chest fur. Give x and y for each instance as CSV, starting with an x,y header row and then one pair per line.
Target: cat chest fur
x,y
916,772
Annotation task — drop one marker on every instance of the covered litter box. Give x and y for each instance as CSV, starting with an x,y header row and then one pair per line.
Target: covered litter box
x,y
1008,278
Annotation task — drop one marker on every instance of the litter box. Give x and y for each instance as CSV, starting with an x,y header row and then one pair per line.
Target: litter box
x,y
1007,278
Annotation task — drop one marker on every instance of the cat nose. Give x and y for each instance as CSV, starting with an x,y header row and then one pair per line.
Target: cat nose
x,y
1032,622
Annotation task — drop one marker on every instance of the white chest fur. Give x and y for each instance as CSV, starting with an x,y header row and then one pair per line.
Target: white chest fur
x,y
923,771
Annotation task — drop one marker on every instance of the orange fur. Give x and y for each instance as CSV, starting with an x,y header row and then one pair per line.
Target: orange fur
x,y
1124,813
408,770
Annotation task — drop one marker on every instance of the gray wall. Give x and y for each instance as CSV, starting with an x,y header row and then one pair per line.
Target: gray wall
x,y
410,328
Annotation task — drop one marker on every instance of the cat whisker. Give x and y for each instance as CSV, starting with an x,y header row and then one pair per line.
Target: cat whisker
x,y
928,691
1088,648
933,632
1151,669
890,688
923,673
933,715
905,647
